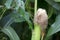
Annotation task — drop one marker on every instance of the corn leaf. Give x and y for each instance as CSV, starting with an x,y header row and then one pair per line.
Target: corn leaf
x,y
8,3
10,32
55,27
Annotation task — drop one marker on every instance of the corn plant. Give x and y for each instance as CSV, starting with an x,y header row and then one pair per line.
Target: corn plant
x,y
18,19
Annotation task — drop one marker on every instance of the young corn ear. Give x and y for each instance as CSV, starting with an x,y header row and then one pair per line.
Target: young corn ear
x,y
41,18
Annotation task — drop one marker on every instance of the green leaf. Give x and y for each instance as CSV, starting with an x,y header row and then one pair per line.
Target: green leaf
x,y
17,17
26,16
57,0
55,27
19,3
9,19
10,32
53,4
5,21
8,3
50,12
2,13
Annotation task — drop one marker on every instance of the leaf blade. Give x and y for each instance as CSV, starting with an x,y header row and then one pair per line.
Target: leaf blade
x,y
9,31
55,27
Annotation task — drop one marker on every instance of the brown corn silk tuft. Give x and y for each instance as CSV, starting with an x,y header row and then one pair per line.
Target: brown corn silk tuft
x,y
41,18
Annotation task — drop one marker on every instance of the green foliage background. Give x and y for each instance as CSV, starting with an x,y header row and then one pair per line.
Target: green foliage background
x,y
16,19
